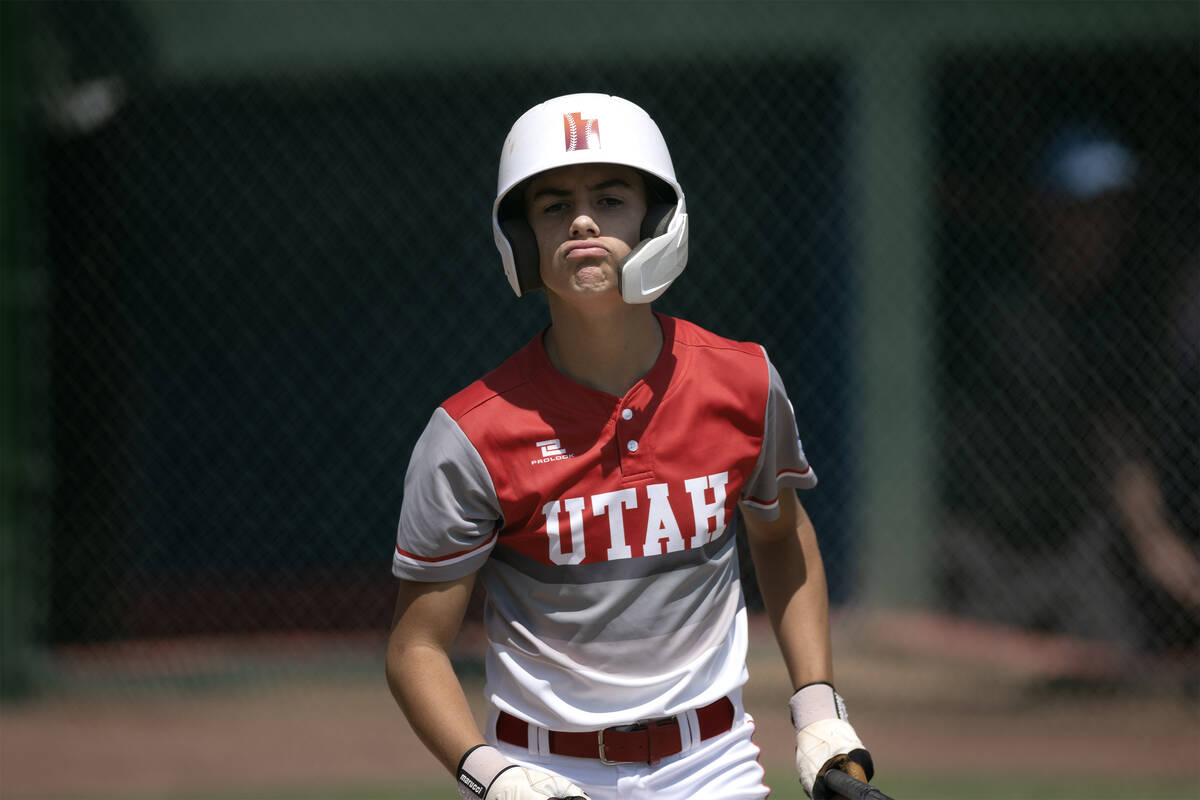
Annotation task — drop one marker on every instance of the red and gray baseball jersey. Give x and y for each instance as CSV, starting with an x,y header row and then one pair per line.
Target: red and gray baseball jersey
x,y
601,526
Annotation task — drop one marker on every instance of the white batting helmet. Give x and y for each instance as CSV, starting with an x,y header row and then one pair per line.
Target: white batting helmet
x,y
590,129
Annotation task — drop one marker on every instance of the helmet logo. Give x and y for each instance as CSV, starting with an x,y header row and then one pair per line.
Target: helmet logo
x,y
581,134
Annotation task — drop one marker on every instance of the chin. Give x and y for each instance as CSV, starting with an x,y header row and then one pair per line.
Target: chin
x,y
593,279
591,294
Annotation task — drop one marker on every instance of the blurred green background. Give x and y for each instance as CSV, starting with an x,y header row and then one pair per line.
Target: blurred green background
x,y
246,252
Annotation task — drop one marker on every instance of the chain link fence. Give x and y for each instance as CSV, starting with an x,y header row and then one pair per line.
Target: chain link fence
x,y
1069,275
260,284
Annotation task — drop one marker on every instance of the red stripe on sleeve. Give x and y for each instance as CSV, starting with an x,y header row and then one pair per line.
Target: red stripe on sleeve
x,y
436,559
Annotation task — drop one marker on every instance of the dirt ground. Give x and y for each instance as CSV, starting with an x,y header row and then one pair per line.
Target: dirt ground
x,y
928,695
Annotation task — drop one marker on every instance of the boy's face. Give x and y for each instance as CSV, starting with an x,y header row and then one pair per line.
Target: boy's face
x,y
586,219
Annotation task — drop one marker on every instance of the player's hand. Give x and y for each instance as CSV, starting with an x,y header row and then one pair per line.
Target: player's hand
x,y
485,774
829,744
825,739
519,783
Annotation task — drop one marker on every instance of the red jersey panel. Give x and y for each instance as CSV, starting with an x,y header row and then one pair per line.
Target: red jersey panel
x,y
583,477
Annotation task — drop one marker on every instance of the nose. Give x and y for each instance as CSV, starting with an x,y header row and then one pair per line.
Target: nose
x,y
584,227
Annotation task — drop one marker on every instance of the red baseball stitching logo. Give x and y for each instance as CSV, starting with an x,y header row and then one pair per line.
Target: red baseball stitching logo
x,y
580,133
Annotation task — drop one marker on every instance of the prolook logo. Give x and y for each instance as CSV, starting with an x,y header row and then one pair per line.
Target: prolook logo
x,y
552,450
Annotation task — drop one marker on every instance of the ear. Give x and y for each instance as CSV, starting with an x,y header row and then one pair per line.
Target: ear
x,y
657,220
525,253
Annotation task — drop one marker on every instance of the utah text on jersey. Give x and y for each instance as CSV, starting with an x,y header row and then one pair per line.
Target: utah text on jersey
x,y
652,525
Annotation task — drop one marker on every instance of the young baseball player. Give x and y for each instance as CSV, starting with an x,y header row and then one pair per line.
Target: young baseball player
x,y
590,483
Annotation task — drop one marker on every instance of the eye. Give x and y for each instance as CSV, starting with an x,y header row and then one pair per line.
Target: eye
x,y
556,207
610,201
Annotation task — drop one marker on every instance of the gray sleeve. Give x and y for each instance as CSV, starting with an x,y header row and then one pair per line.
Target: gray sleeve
x,y
782,461
450,514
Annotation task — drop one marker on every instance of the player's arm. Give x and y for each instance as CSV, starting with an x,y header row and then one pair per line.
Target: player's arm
x,y
427,620
1160,548
791,577
428,617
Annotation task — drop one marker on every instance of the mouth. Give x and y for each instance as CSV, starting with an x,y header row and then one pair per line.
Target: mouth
x,y
584,249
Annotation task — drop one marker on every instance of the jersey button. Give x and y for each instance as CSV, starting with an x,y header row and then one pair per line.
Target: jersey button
x,y
627,414
631,445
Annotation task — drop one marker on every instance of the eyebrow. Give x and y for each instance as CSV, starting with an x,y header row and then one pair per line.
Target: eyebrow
x,y
551,191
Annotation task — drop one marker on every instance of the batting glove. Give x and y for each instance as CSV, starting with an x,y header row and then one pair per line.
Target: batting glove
x,y
824,737
485,774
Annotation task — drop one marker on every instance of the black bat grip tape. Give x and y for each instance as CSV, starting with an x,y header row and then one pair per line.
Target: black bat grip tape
x,y
851,787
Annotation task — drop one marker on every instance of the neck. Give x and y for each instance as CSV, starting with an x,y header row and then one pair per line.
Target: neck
x,y
610,351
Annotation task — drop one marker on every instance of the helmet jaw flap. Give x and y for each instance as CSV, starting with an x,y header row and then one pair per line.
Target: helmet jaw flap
x,y
589,129
656,262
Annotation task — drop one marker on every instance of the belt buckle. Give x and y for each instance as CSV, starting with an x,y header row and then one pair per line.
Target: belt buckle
x,y
648,726
603,757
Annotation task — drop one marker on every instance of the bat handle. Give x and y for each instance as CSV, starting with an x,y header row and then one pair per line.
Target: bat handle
x,y
852,788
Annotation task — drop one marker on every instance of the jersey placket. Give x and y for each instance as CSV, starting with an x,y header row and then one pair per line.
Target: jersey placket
x,y
630,429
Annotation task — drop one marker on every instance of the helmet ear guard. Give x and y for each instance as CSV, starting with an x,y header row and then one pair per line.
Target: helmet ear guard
x,y
660,204
657,220
525,253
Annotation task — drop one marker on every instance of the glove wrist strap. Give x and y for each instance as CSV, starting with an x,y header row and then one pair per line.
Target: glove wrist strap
x,y
814,702
478,769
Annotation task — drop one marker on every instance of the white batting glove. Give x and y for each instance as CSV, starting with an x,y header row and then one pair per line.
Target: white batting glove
x,y
823,733
485,774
